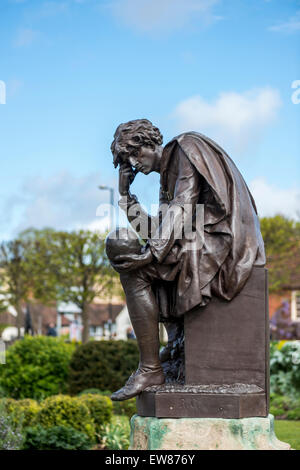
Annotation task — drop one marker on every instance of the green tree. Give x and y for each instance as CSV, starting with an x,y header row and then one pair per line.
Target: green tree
x,y
70,267
282,243
14,276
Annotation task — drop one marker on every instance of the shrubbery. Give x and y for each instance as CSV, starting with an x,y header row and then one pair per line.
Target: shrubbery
x,y
58,422
100,408
56,438
120,408
22,412
105,365
284,407
115,435
285,369
36,367
62,410
11,437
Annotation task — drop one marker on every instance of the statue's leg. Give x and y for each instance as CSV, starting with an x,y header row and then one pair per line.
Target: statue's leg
x,y
143,312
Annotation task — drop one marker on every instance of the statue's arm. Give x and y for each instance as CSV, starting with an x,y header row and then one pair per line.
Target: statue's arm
x,y
143,223
186,196
140,221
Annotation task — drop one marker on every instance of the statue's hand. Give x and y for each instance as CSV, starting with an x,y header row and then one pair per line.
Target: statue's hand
x,y
126,177
124,263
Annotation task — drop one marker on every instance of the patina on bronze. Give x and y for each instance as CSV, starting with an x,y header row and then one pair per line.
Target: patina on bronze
x,y
172,276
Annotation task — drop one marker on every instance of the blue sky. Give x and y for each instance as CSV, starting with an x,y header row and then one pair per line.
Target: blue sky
x,y
75,69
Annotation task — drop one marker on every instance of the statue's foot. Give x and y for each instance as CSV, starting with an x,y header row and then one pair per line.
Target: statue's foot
x,y
137,382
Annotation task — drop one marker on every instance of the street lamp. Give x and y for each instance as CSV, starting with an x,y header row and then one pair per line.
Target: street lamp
x,y
111,224
111,212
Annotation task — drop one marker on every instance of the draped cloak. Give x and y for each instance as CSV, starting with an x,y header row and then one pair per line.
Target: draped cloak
x,y
232,242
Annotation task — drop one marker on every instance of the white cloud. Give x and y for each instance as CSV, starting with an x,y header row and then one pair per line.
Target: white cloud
x,y
25,37
62,201
271,200
233,119
290,26
14,86
162,15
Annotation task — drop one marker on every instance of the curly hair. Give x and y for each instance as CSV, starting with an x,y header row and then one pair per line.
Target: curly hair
x,y
132,135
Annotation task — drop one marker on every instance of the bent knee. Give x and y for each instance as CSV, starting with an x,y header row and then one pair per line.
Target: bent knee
x,y
135,279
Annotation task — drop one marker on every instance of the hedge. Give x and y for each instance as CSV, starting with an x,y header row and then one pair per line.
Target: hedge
x,y
23,412
36,367
284,407
56,438
285,368
100,408
120,408
63,410
105,365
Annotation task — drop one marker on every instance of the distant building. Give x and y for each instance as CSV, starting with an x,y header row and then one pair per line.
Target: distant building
x,y
102,318
284,306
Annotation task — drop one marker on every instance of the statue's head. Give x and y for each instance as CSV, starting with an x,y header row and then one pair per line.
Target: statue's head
x,y
137,143
122,241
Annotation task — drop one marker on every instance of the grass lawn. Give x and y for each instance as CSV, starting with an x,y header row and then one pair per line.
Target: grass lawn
x,y
288,431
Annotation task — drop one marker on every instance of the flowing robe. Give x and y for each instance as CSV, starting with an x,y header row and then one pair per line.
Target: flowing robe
x,y
195,170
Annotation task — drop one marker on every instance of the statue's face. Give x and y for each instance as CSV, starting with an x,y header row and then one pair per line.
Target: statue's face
x,y
144,160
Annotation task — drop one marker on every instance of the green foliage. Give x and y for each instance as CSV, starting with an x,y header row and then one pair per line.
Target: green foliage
x,y
120,408
294,414
23,412
282,243
94,391
62,410
115,435
36,367
284,407
126,407
102,364
285,369
11,437
56,438
70,267
100,408
15,276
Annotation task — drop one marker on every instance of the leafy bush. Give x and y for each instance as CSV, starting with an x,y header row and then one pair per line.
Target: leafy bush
x,y
2,392
100,408
23,412
285,369
105,365
284,407
94,391
36,367
126,408
56,438
11,437
294,414
120,408
115,435
62,410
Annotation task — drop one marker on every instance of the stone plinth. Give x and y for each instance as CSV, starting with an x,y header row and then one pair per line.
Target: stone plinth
x,y
225,358
148,433
205,401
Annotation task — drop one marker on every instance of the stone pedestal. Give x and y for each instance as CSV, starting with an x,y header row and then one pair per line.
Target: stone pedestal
x,y
221,400
148,433
225,359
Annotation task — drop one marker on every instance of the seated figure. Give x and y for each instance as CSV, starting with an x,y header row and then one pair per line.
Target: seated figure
x,y
174,273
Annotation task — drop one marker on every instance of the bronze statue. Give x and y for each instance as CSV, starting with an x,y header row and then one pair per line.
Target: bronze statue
x,y
169,276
